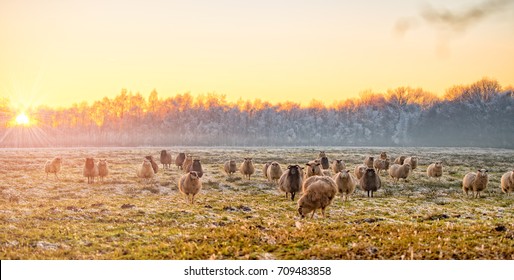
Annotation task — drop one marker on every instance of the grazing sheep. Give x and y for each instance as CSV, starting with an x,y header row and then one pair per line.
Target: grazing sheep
x,y
381,164
413,161
435,170
165,159
90,170
187,163
274,171
265,169
197,166
475,182
345,183
190,184
319,193
313,168
247,168
359,171
369,161
179,160
338,165
507,182
399,160
383,155
291,180
145,170
53,166
103,169
155,166
370,181
398,172
230,167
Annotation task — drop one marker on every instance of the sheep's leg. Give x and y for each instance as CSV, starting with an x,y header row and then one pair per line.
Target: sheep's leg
x,y
193,199
368,193
312,216
292,196
371,193
323,212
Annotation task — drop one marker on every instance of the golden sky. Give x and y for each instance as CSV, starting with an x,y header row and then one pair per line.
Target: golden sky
x,y
61,52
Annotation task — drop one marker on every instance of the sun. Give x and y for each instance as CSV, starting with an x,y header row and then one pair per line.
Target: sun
x,y
22,119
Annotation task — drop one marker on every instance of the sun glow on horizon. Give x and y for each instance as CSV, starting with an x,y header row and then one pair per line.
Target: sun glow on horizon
x,y
22,119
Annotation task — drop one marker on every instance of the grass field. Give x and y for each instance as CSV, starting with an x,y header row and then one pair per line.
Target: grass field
x,y
233,218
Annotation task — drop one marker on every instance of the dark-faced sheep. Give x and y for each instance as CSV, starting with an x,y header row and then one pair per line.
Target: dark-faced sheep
x,y
318,194
179,160
90,170
230,167
413,161
145,170
345,183
399,160
247,168
507,182
265,169
370,182
381,164
359,171
103,169
383,155
187,163
274,171
197,166
435,170
53,166
475,182
322,154
165,159
313,169
338,165
155,166
291,180
398,172
190,185
368,161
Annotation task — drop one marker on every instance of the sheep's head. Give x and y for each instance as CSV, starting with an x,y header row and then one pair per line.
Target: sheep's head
x,y
344,174
163,152
196,160
383,155
482,173
438,164
90,162
370,172
294,169
275,164
102,162
193,175
322,154
338,161
146,163
302,211
150,158
232,162
407,165
58,159
371,158
182,155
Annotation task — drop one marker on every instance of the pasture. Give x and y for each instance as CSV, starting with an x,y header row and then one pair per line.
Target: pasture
x,y
235,218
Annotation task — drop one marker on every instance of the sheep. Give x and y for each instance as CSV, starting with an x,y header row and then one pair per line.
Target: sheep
x,y
90,170
197,166
383,155
359,171
397,171
476,182
338,165
53,166
274,171
188,161
145,170
155,166
265,169
345,183
370,181
190,184
322,154
369,161
318,194
291,180
313,168
381,164
507,182
326,172
435,170
413,161
103,169
324,161
399,160
165,159
230,167
179,160
247,168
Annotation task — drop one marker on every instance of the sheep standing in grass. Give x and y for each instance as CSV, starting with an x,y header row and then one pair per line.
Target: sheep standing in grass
x,y
369,161
507,182
345,183
291,180
323,159
435,170
313,168
381,164
370,181
53,166
190,184
179,160
399,160
383,155
265,169
398,172
197,166
359,171
155,166
90,170
230,167
103,169
475,182
319,193
165,159
413,161
338,165
274,171
187,163
247,168
145,170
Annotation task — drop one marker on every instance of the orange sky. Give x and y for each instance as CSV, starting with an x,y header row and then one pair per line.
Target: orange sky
x,y
61,52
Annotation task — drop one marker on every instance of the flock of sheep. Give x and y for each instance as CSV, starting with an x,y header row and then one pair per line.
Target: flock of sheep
x,y
314,181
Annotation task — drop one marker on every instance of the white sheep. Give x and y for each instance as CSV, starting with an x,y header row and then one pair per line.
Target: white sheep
x,y
435,170
230,167
475,182
397,171
313,168
359,171
338,165
274,171
368,161
345,183
413,161
381,164
145,170
507,182
190,184
103,169
247,168
53,166
265,169
318,194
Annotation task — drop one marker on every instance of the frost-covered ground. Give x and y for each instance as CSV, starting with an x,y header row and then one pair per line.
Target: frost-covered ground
x,y
125,218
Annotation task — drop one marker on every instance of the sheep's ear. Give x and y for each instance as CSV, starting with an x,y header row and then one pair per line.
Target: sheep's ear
x,y
308,164
348,170
318,164
289,166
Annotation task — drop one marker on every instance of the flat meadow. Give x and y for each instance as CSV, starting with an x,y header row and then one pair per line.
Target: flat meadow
x,y
235,218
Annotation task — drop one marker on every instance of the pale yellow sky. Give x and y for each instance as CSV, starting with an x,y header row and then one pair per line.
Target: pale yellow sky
x,y
61,52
